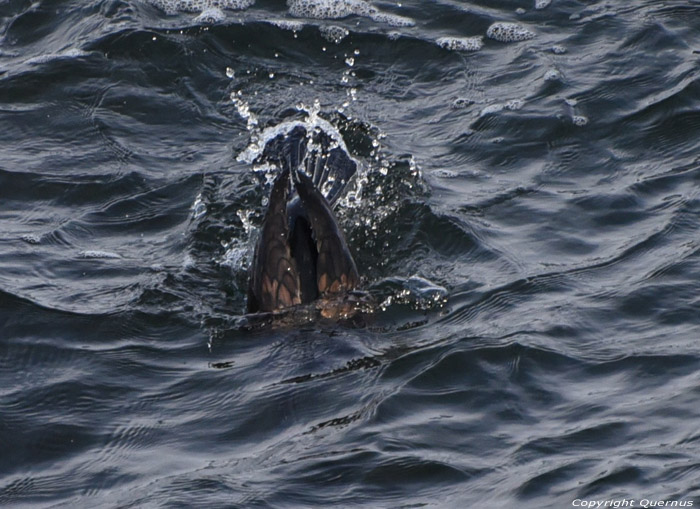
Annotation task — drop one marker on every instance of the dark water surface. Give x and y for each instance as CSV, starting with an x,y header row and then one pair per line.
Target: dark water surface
x,y
527,214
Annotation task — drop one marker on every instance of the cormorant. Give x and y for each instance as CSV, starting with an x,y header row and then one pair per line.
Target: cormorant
x,y
302,255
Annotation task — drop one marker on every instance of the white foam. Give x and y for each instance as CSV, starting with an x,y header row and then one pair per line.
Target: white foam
x,y
541,4
512,105
509,32
552,75
201,6
98,254
392,19
336,9
329,9
461,103
461,43
445,173
287,24
333,33
211,15
558,50
30,238
579,120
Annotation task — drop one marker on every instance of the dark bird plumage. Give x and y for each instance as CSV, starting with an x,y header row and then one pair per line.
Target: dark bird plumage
x,y
302,254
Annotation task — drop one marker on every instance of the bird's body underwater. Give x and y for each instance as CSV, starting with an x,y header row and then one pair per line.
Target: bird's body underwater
x,y
302,255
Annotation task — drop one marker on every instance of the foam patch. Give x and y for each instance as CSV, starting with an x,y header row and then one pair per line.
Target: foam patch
x,y
201,6
286,24
461,103
336,9
211,15
392,19
90,254
334,33
329,9
461,43
512,105
552,75
509,32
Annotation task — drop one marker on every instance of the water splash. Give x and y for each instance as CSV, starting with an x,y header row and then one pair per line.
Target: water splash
x,y
244,110
418,293
199,208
